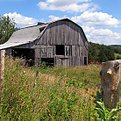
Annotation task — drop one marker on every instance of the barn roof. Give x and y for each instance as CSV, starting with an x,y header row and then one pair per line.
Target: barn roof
x,y
28,34
23,36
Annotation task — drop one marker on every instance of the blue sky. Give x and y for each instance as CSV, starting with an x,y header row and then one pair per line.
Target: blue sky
x,y
100,19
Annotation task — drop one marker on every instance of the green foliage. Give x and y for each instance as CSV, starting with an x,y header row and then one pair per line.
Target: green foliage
x,y
85,76
61,107
105,114
7,27
93,52
16,103
49,94
75,83
100,53
116,48
106,53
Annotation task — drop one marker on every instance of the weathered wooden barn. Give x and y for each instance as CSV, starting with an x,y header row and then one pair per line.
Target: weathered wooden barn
x,y
57,43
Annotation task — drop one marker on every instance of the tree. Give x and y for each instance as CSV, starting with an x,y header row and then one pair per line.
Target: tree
x,y
7,27
93,52
106,53
100,53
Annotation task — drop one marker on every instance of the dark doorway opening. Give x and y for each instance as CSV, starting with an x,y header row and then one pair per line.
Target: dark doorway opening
x,y
85,60
27,54
47,61
60,50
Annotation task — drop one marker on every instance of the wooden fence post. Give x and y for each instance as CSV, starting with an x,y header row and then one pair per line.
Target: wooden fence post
x,y
2,58
110,81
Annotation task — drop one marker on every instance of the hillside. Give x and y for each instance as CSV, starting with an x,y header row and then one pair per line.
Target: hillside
x,y
100,53
117,48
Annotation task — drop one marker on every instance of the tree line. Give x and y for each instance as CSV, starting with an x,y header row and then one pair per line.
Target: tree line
x,y
99,53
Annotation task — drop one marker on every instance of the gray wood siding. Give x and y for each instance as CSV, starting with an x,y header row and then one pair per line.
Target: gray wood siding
x,y
68,34
62,33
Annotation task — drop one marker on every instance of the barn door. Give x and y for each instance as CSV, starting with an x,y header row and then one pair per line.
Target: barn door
x,y
62,62
58,62
65,62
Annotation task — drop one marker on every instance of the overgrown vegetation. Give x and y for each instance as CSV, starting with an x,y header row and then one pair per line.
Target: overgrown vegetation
x,y
50,94
105,114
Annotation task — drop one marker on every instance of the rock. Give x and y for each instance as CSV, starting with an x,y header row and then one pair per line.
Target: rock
x,y
110,82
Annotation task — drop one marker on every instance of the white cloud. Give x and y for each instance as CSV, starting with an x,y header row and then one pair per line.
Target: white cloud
x,y
98,27
65,2
68,5
96,19
102,36
21,20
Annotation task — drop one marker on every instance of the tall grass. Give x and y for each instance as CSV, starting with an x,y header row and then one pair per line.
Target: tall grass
x,y
49,94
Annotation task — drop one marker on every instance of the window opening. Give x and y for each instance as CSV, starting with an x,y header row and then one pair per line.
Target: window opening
x,y
60,50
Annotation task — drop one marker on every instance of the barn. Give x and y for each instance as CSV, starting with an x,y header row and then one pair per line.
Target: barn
x,y
57,43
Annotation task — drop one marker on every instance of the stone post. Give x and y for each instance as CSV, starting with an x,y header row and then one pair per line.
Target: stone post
x,y
110,81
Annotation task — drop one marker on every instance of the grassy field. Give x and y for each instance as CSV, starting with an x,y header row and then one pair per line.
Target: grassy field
x,y
50,94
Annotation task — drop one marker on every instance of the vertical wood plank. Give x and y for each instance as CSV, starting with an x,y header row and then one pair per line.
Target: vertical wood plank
x,y
73,50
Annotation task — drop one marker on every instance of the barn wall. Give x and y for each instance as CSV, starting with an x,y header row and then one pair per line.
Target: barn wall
x,y
63,33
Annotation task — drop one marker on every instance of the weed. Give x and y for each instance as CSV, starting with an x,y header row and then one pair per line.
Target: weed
x,y
75,83
105,114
